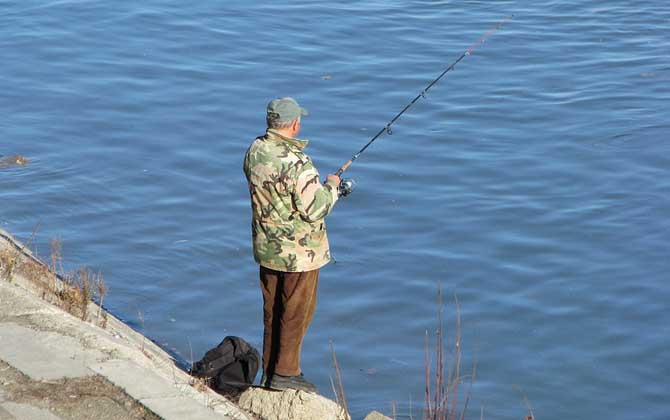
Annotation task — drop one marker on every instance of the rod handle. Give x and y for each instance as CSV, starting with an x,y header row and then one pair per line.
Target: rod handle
x,y
344,167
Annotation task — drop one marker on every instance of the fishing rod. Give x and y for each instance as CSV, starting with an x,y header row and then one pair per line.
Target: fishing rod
x,y
347,185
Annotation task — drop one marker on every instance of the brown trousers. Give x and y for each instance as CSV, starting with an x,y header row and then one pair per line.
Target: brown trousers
x,y
289,300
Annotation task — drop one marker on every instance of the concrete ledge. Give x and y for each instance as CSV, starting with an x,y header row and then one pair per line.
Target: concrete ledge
x,y
46,343
181,407
24,411
44,356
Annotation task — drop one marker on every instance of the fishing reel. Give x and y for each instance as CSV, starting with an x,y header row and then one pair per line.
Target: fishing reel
x,y
347,185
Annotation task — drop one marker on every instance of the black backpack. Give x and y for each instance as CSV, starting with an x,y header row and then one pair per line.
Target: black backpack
x,y
230,367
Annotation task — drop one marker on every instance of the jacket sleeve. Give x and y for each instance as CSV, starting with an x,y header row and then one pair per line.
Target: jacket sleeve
x,y
312,199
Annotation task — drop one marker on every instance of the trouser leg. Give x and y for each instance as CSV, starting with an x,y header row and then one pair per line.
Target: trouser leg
x,y
299,302
271,316
289,304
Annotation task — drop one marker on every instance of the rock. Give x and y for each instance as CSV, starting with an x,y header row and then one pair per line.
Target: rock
x,y
290,404
376,415
17,160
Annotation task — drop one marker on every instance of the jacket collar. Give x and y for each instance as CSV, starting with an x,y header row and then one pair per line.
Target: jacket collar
x,y
273,134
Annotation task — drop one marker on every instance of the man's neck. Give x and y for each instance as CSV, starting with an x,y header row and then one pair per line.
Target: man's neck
x,y
286,133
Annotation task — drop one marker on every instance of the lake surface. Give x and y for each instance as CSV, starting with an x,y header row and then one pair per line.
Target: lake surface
x,y
532,183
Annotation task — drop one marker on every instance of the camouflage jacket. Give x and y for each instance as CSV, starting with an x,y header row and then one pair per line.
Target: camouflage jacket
x,y
289,204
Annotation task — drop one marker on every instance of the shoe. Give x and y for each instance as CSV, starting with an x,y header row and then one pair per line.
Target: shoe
x,y
281,383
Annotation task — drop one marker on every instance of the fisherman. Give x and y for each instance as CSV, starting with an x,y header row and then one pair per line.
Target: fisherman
x,y
289,205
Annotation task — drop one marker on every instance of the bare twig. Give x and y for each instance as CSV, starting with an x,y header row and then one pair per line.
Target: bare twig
x,y
190,348
340,386
11,264
467,395
443,403
102,292
32,236
531,415
56,247
440,395
140,316
85,289
458,355
332,385
427,409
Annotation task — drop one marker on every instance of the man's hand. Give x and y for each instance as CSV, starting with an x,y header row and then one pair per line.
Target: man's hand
x,y
334,178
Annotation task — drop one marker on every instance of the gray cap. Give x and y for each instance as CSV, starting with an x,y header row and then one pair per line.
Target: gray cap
x,y
285,110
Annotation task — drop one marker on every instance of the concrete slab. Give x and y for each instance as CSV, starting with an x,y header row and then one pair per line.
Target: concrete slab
x,y
27,412
182,408
4,414
137,381
15,302
44,355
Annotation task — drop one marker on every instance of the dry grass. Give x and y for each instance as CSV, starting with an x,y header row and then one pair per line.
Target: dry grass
x,y
200,384
9,258
56,247
442,392
77,291
102,290
72,291
7,264
340,397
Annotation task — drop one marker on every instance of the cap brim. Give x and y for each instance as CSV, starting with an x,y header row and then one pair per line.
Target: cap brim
x,y
304,112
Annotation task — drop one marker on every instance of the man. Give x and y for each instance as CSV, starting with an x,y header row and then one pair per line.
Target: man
x,y
289,205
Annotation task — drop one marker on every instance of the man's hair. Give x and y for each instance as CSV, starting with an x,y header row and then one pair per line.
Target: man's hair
x,y
273,123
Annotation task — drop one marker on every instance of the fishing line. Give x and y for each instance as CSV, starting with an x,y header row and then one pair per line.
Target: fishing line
x,y
387,128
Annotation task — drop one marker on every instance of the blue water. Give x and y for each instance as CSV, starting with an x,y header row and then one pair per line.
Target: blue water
x,y
533,183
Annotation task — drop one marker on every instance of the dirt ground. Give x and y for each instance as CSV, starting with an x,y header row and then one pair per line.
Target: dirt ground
x,y
92,397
